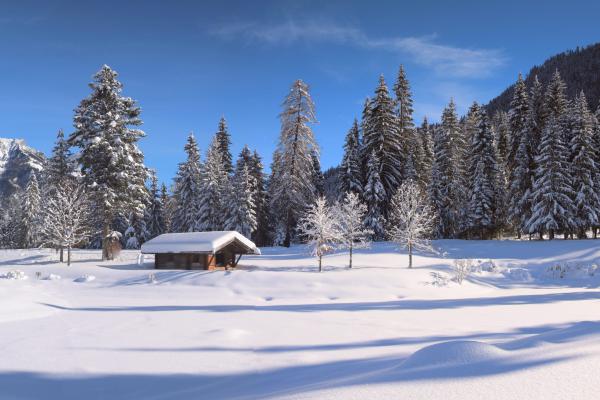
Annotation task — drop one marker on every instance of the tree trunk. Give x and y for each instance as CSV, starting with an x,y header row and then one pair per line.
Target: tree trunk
x,y
320,264
541,235
595,231
551,234
62,259
350,266
69,256
409,256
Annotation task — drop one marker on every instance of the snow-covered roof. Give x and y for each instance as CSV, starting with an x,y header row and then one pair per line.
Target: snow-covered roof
x,y
196,242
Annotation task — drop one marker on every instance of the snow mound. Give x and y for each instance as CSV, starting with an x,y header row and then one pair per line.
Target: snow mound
x,y
462,352
15,274
84,278
52,277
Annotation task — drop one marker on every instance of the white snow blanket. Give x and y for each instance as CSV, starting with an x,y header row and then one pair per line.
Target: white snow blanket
x,y
275,328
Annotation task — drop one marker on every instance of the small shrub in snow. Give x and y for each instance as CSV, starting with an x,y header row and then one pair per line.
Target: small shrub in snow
x,y
517,274
38,275
84,278
15,274
487,266
461,269
53,277
562,271
439,280
152,278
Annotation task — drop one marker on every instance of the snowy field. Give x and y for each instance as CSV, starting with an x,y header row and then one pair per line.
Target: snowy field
x,y
517,328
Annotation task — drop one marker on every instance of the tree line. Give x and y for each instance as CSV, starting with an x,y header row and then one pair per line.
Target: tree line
x,y
528,171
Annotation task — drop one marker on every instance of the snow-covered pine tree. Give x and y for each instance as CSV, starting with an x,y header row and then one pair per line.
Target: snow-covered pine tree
x,y
240,203
458,184
441,182
31,204
350,169
136,232
413,219
519,159
292,184
374,197
112,165
412,150
319,226
350,223
318,180
155,219
501,126
595,118
381,137
168,205
11,221
536,113
584,171
262,235
553,209
224,139
66,219
60,168
483,171
187,193
215,188
426,141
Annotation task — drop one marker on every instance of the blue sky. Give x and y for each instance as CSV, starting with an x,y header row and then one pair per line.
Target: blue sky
x,y
188,63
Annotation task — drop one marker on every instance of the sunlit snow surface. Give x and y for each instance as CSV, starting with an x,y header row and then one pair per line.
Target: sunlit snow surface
x,y
524,325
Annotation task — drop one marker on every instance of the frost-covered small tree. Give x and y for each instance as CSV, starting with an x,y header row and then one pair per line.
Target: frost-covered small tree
x,y
241,203
413,219
66,219
292,180
350,214
374,197
111,162
319,226
31,204
187,193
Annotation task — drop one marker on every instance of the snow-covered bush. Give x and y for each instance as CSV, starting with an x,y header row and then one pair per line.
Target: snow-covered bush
x,y
84,278
439,279
15,274
566,270
517,274
461,269
152,278
52,277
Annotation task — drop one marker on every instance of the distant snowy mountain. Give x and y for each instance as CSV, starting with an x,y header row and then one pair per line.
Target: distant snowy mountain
x,y
17,160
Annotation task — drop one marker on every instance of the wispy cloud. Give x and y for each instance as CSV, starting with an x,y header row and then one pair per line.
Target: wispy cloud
x,y
425,50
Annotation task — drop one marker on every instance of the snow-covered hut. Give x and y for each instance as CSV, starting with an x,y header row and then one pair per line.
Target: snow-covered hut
x,y
199,250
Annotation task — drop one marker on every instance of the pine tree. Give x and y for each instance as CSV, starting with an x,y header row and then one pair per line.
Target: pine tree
x,y
112,165
441,183
351,173
155,220
483,171
167,204
374,197
241,204
411,145
457,185
552,198
536,113
31,205
292,184
318,180
215,187
426,141
519,161
224,139
583,168
187,193
501,126
60,168
262,234
381,137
